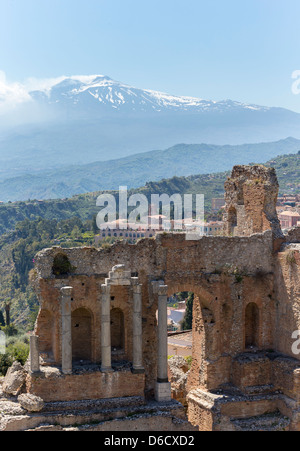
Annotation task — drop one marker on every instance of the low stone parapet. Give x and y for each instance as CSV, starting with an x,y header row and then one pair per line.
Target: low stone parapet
x,y
52,385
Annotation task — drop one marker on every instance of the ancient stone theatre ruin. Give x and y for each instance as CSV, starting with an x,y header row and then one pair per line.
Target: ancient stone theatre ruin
x,y
101,333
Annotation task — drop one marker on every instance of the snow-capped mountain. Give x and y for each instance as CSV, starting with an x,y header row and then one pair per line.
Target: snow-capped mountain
x,y
102,91
85,119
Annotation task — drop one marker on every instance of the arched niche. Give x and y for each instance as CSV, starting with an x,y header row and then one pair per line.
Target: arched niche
x,y
117,330
81,335
46,331
61,266
232,219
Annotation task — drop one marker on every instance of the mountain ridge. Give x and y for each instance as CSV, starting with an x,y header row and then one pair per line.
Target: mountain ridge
x,y
108,91
136,170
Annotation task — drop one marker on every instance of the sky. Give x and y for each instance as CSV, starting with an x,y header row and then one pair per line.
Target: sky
x,y
244,50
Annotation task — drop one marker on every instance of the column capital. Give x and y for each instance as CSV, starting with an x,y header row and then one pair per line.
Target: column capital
x,y
137,288
155,284
105,288
163,290
66,291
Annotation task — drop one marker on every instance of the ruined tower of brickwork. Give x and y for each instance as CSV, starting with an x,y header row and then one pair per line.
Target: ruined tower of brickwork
x,y
251,195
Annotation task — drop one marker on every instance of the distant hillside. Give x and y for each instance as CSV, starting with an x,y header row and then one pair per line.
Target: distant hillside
x,y
288,172
134,171
84,205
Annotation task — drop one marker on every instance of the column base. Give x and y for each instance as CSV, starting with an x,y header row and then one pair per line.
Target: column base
x,y
35,373
163,392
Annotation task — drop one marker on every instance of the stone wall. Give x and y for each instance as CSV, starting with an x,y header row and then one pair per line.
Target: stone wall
x,y
168,253
287,288
53,386
214,268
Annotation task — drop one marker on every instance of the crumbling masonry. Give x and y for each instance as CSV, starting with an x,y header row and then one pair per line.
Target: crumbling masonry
x,y
101,333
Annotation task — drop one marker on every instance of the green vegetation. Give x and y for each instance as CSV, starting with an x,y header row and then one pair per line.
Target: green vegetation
x,y
28,227
82,206
187,322
291,257
288,172
17,252
188,359
62,266
17,347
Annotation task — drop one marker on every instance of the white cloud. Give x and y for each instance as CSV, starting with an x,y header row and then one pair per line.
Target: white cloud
x,y
11,94
42,84
16,103
17,107
45,84
2,77
14,93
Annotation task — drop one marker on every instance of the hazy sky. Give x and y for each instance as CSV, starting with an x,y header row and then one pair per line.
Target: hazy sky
x,y
245,50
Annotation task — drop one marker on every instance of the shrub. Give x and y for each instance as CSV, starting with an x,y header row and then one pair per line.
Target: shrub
x,y
189,360
6,361
17,348
62,266
19,352
290,257
10,331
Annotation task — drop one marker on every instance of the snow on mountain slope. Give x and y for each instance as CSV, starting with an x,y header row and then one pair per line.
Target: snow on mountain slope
x,y
107,92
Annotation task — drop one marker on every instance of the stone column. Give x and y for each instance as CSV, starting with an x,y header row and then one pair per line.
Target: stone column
x,y
34,354
163,387
66,330
105,330
137,330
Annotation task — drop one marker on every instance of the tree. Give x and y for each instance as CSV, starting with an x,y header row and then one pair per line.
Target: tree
x,y
2,321
7,312
187,322
75,234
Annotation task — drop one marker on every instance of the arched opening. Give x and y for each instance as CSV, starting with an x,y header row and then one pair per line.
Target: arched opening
x,y
180,323
61,266
251,326
180,311
201,343
117,331
204,343
81,335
